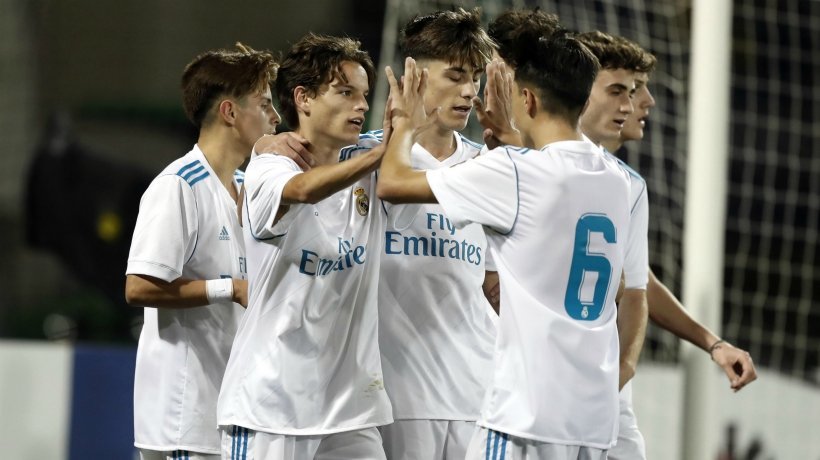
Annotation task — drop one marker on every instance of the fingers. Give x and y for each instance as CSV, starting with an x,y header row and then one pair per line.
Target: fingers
x,y
490,140
480,110
737,364
391,79
423,81
748,374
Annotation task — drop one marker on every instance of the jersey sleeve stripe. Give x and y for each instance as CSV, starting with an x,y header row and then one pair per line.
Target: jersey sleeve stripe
x,y
187,167
191,172
517,192
192,181
347,152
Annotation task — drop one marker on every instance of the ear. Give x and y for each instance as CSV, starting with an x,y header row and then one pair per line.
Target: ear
x,y
302,100
226,111
530,102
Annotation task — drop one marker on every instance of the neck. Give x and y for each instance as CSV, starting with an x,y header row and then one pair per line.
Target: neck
x,y
324,149
223,153
546,130
612,146
440,142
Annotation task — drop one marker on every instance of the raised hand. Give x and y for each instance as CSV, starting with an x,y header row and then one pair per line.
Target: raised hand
x,y
407,97
494,113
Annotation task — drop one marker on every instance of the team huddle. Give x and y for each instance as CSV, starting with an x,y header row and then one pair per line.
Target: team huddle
x,y
409,293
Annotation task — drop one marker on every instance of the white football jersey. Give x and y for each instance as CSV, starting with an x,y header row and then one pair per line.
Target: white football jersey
x,y
562,225
306,357
187,227
436,328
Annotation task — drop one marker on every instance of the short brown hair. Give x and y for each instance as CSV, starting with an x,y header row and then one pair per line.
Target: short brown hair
x,y
217,73
517,31
313,61
617,52
453,36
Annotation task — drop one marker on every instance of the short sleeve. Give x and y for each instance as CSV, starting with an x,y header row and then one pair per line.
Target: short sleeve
x,y
636,261
483,190
166,230
265,180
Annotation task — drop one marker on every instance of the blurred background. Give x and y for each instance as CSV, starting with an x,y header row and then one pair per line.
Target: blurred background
x,y
92,113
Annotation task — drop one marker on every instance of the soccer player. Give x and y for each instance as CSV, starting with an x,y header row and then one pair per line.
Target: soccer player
x,y
561,230
436,329
665,309
187,262
512,30
304,377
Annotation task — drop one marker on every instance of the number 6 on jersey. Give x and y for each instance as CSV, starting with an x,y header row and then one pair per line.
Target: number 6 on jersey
x,y
588,267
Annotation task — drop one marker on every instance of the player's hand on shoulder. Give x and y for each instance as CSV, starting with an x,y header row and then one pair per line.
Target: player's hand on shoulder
x,y
736,363
289,145
240,292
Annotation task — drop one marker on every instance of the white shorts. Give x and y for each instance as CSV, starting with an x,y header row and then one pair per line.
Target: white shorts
x,y
631,445
146,454
427,439
243,444
493,445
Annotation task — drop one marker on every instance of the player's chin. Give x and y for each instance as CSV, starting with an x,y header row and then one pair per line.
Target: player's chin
x,y
632,135
453,123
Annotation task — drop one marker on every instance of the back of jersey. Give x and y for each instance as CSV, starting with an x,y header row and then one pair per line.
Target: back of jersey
x,y
556,363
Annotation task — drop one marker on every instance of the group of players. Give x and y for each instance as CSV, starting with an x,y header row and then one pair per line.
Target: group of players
x,y
410,294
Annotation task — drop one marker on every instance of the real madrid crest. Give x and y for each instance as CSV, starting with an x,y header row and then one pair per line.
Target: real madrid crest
x,y
362,201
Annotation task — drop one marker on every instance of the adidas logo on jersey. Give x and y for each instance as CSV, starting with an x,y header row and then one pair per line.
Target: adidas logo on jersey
x,y
223,235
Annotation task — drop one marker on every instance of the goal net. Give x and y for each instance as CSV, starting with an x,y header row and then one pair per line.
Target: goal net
x,y
771,260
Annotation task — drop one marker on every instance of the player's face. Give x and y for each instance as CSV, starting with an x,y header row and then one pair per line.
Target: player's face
x,y
451,87
643,101
255,117
610,104
337,112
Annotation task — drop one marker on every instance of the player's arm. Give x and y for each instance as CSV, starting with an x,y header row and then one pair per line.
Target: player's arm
x,y
632,314
322,181
667,312
165,237
398,181
319,182
148,291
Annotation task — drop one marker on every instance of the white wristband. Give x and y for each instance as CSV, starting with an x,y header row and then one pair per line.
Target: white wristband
x,y
219,291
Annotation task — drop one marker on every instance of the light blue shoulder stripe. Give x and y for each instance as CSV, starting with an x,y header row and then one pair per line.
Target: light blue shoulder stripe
x,y
191,172
187,167
377,134
192,181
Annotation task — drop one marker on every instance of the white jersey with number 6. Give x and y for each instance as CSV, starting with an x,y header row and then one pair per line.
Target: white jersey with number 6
x,y
563,224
